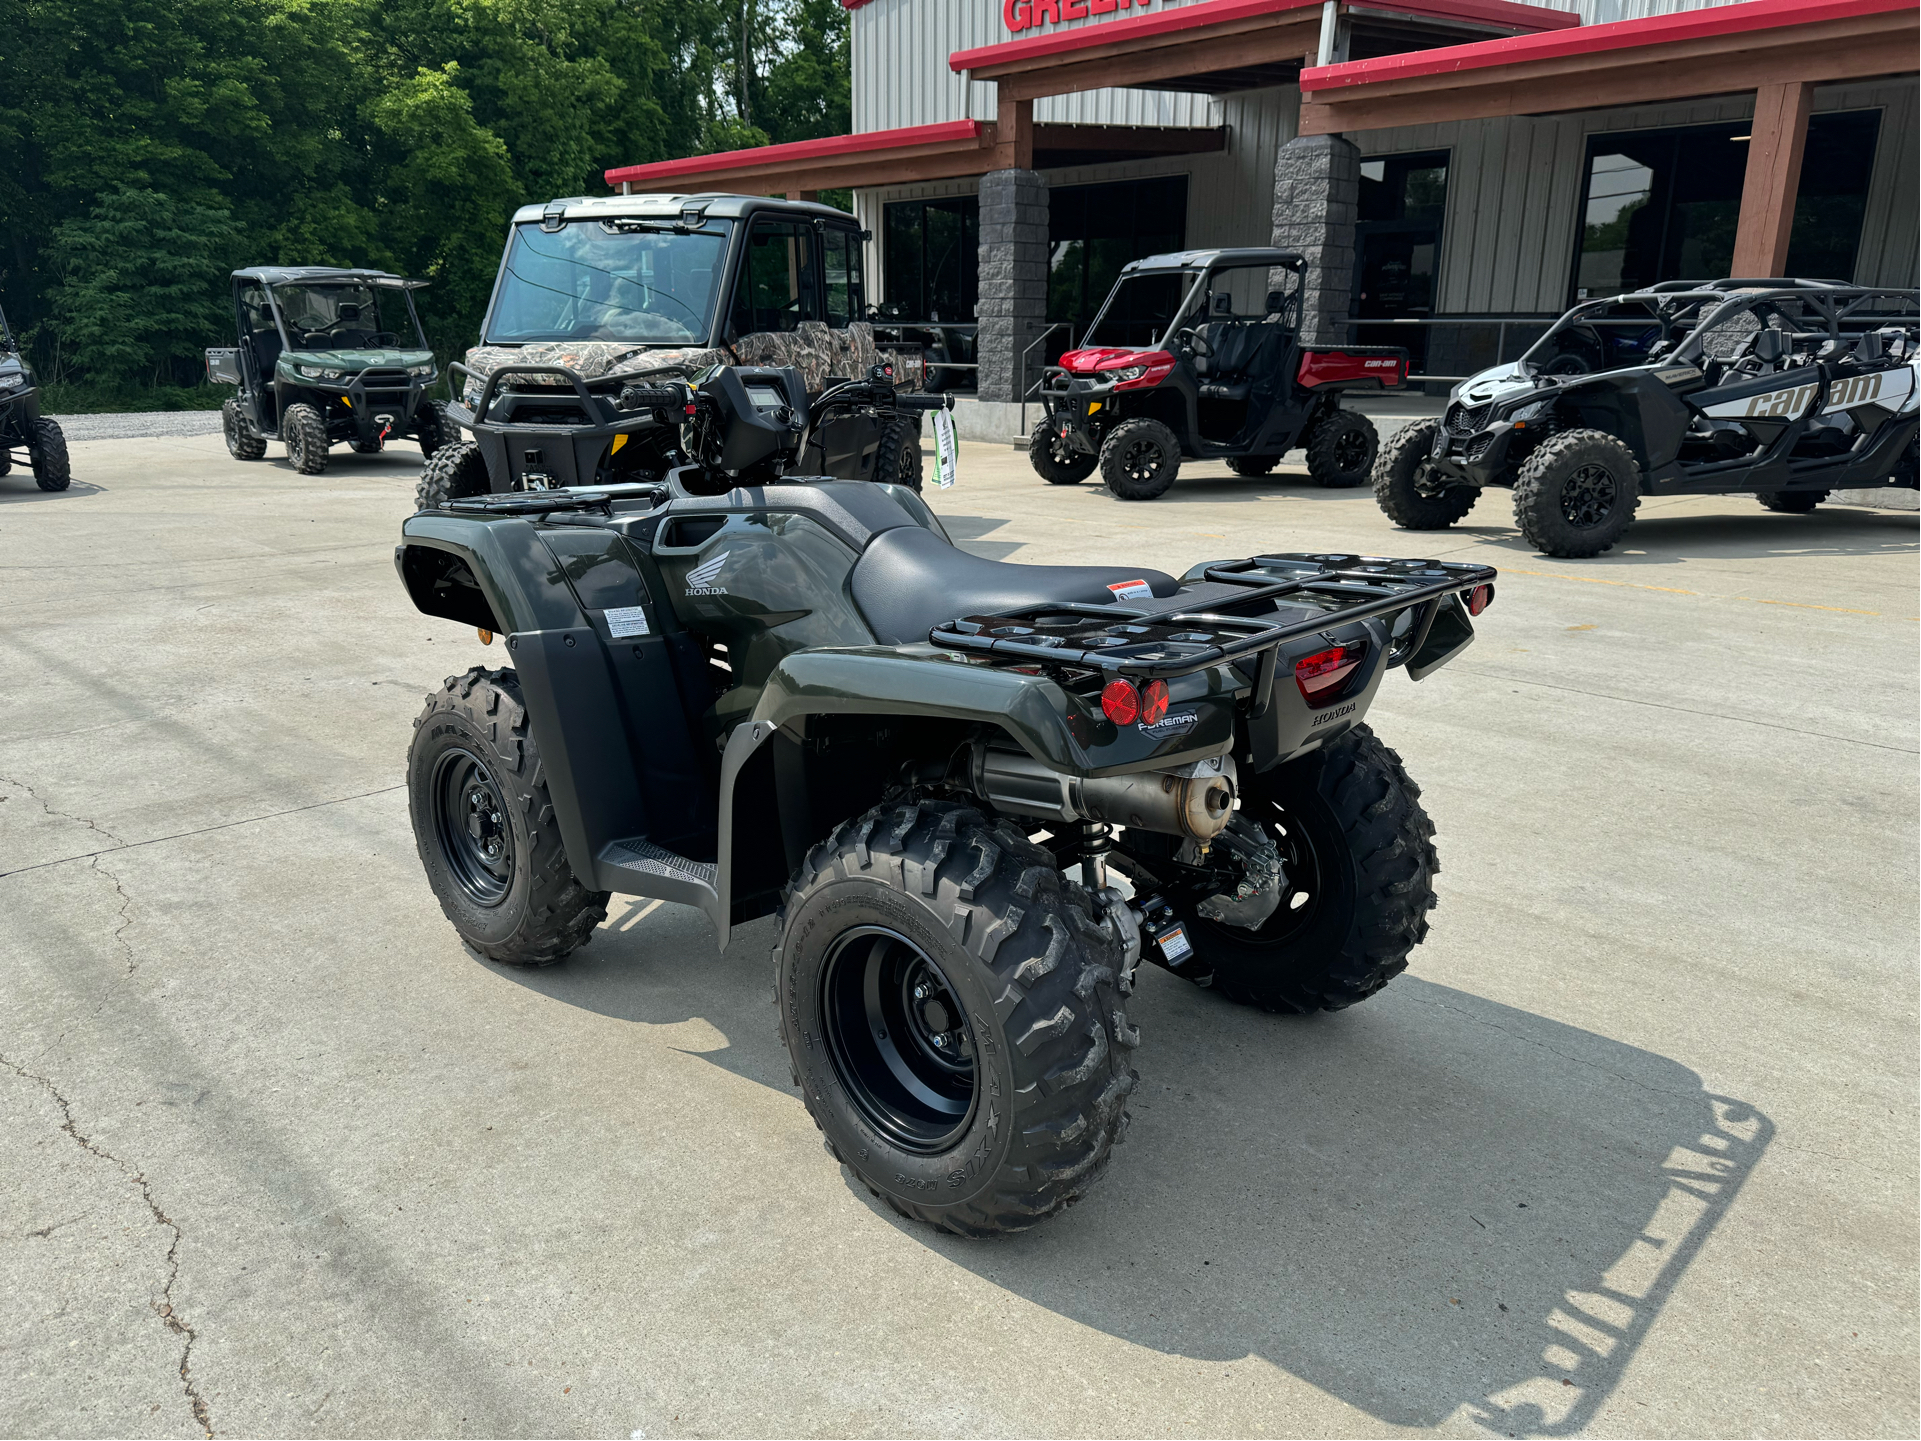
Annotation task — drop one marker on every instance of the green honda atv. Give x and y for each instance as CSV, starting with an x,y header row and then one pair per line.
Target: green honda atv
x,y
26,434
326,356
976,795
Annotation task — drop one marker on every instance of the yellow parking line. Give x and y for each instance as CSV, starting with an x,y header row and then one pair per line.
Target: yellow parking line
x,y
1676,590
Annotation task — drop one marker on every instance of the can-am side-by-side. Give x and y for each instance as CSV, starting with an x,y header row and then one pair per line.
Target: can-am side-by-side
x,y
976,794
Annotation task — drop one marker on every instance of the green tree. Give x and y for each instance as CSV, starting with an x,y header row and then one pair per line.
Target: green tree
x,y
142,284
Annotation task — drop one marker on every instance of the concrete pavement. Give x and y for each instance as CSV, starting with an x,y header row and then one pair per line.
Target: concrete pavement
x,y
1631,1150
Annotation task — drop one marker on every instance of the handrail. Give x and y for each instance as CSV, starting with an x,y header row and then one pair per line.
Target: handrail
x,y
1022,390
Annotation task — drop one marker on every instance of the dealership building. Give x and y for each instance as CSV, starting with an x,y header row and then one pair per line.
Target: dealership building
x,y
1453,171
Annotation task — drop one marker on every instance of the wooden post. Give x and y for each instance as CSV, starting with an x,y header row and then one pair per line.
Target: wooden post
x,y
1778,139
1013,133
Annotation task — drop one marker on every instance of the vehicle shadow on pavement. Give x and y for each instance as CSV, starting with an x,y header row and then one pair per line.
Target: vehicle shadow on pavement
x,y
20,486
1657,539
967,532
1429,1206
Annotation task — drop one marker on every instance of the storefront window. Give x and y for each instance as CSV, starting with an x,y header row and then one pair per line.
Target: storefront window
x,y
1403,203
1664,204
932,253
1094,230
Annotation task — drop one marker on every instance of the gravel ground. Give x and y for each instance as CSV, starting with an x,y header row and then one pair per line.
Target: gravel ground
x,y
137,425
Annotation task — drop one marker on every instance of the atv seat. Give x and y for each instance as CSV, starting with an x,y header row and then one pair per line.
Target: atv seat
x,y
909,580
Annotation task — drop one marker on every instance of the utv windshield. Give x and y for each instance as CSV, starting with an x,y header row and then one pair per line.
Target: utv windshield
x,y
348,315
1139,310
608,280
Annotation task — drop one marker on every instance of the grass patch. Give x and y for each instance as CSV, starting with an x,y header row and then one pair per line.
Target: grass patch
x,y
59,399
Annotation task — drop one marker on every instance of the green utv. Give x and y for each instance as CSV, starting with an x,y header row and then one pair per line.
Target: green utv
x,y
326,356
598,294
25,434
975,794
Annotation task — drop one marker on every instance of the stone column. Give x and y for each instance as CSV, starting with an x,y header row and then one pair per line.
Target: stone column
x,y
1317,192
1013,279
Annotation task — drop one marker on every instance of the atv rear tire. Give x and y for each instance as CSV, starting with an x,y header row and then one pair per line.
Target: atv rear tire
x,y
484,825
898,461
305,432
1139,459
452,473
1341,450
919,922
436,428
1055,461
1253,465
243,441
1408,489
47,448
1576,495
1357,850
1790,502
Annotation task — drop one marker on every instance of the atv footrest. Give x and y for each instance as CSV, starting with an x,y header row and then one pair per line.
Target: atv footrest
x,y
640,868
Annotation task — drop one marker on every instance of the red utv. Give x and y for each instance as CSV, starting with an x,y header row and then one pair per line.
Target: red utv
x,y
1196,356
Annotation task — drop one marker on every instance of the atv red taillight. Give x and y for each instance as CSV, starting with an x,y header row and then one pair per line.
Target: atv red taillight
x,y
1121,703
1154,703
1321,675
1479,599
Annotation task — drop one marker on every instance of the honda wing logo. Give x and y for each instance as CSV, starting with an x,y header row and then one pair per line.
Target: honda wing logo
x,y
700,580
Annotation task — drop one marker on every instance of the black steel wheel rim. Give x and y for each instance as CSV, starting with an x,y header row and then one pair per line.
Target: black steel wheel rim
x,y
1587,499
1350,450
1059,451
1302,879
1141,460
470,821
898,1039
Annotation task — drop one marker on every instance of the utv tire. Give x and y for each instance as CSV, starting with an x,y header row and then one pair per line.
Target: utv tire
x,y
484,825
436,428
452,473
923,921
1576,495
1055,461
898,461
1407,488
1139,459
1790,502
1341,450
243,441
47,448
1359,850
305,432
1253,465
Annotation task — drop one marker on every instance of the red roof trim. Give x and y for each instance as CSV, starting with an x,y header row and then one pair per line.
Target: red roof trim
x,y
799,150
1654,30
1212,12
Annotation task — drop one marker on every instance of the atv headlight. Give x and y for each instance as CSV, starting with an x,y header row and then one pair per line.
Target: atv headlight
x,y
1131,372
420,370
315,372
11,382
1533,411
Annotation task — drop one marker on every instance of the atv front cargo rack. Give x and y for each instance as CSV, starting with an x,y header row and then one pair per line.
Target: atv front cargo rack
x,y
1137,641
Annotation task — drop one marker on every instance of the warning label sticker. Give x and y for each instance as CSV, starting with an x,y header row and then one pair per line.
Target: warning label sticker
x,y
1132,590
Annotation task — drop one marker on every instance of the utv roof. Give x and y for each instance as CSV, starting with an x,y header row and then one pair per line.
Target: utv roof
x,y
297,274
668,206
1197,259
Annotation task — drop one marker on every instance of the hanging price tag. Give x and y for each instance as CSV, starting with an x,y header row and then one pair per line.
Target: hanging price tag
x,y
946,453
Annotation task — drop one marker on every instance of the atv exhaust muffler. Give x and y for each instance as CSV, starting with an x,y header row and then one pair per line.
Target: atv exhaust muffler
x,y
1193,800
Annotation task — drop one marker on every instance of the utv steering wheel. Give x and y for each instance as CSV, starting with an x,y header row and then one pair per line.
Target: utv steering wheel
x,y
1191,338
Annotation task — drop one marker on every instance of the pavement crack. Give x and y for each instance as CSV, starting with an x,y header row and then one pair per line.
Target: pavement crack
x,y
161,1306
41,801
126,917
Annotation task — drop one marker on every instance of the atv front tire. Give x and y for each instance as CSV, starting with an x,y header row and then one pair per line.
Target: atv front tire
x,y
1410,492
1576,495
1790,502
47,448
436,428
484,825
1055,461
305,432
1253,465
243,441
898,461
954,1017
452,473
1341,450
1357,852
1139,459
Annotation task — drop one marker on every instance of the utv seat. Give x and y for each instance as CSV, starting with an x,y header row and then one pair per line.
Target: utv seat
x,y
1240,351
909,580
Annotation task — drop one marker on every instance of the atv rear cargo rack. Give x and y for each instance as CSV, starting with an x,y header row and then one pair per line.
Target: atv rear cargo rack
x,y
1135,641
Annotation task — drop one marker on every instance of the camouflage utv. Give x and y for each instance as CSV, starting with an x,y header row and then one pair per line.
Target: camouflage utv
x,y
597,295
